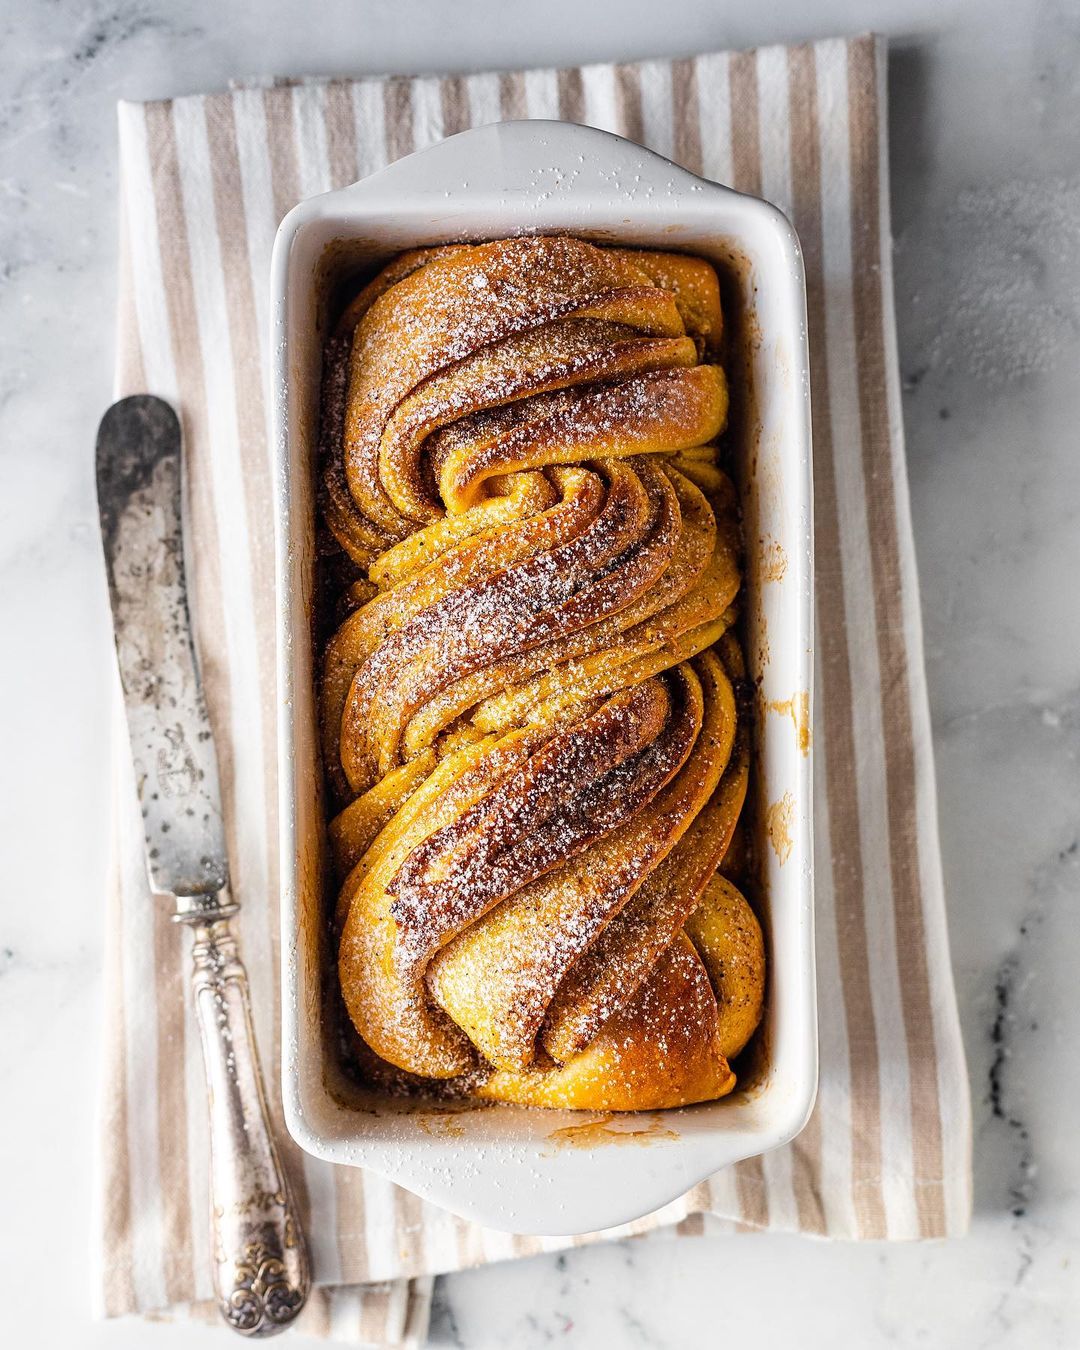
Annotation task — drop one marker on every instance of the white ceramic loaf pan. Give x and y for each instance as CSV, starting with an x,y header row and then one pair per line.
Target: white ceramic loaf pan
x,y
534,1171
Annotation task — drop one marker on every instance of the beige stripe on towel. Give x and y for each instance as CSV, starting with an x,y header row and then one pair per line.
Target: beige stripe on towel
x,y
204,182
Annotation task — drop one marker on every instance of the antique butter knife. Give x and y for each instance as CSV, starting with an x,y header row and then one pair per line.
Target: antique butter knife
x,y
261,1269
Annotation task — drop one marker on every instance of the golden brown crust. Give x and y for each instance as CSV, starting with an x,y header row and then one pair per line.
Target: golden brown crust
x,y
533,736
660,1050
728,938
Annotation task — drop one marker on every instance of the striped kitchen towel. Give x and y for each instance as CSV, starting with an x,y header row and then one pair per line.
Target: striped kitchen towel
x,y
205,181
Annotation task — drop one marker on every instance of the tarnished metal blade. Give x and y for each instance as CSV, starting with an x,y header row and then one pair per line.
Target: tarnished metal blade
x,y
138,483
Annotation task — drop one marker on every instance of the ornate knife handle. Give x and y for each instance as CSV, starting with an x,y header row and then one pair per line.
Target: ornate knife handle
x,y
261,1270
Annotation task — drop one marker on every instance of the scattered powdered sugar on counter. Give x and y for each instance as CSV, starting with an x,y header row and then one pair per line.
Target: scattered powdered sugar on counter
x,y
1005,321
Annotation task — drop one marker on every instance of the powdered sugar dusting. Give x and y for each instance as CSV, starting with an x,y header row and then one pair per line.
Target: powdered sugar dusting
x,y
552,357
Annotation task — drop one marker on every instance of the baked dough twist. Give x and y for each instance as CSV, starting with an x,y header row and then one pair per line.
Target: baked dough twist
x,y
530,713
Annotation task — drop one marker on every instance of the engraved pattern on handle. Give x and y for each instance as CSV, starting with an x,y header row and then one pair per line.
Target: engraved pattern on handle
x,y
261,1270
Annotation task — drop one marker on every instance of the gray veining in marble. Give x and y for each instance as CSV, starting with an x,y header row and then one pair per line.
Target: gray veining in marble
x,y
986,191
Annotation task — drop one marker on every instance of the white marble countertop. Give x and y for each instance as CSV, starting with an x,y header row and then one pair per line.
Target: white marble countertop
x,y
986,201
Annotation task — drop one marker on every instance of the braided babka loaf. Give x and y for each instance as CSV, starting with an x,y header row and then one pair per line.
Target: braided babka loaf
x,y
529,714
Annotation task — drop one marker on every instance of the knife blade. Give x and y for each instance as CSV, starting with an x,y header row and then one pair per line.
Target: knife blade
x,y
261,1270
139,498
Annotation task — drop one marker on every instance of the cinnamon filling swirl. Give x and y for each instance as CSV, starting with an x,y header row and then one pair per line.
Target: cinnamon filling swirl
x,y
529,711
